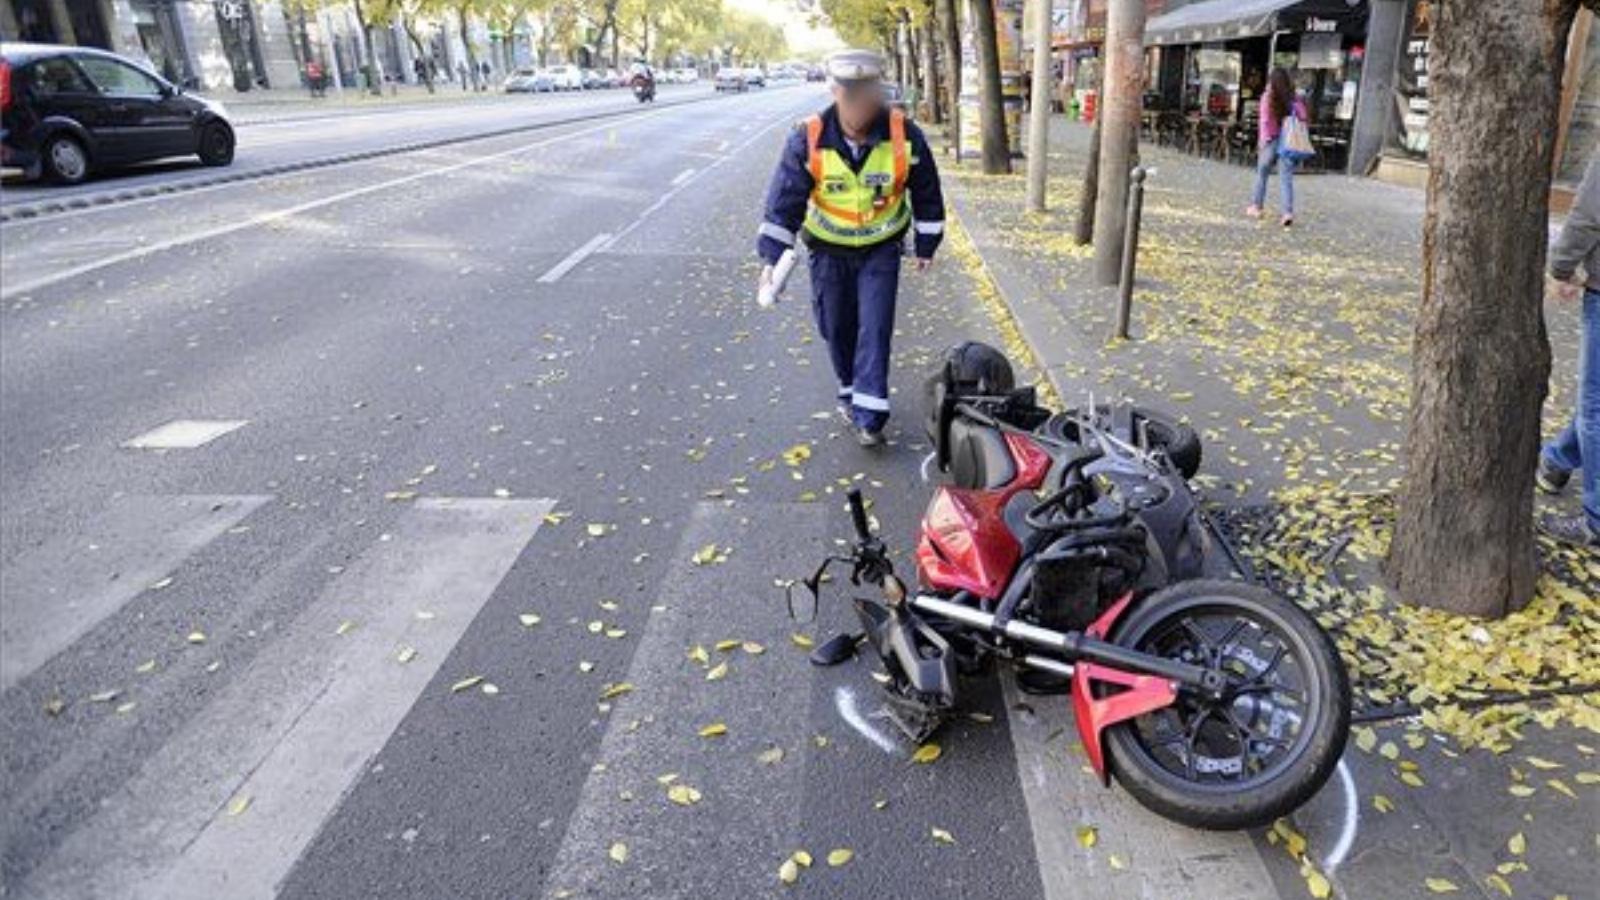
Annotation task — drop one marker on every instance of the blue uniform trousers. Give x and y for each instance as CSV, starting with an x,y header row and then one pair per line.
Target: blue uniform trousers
x,y
852,296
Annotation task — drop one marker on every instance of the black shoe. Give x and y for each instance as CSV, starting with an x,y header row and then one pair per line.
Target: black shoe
x,y
1573,530
1550,479
868,437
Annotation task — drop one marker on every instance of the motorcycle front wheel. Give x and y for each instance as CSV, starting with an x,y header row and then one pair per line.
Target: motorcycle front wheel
x,y
1268,743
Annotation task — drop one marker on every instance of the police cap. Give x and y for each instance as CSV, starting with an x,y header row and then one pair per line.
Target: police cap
x,y
849,66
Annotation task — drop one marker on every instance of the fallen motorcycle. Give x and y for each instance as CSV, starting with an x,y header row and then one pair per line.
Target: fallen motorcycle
x,y
1070,546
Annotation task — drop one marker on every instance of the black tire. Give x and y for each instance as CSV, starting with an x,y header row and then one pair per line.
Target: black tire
x,y
64,159
1181,442
216,144
1308,756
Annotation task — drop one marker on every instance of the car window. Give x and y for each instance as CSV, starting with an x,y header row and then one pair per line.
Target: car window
x,y
114,77
49,77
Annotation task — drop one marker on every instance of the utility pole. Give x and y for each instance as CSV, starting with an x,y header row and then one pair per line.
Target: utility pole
x,y
991,102
1039,113
1119,133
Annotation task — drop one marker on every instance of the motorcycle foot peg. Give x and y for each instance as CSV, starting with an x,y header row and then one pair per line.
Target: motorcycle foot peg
x,y
836,649
1037,683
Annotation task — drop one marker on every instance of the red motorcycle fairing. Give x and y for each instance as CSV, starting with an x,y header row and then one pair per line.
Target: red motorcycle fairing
x,y
1144,693
965,543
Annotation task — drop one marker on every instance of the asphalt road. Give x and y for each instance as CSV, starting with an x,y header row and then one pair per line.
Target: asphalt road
x,y
481,442
270,137
239,656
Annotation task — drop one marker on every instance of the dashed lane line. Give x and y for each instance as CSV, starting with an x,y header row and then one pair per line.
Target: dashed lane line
x,y
267,218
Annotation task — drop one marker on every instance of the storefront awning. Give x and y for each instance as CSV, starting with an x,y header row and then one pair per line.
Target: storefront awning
x,y
1226,20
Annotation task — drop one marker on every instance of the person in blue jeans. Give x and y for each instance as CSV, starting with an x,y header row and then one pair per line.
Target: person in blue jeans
x,y
1279,101
1577,446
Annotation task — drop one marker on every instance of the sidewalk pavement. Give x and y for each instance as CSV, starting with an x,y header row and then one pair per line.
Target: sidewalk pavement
x,y
1472,769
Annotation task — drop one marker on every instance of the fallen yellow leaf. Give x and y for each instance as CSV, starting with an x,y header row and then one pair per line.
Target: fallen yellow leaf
x,y
926,753
839,857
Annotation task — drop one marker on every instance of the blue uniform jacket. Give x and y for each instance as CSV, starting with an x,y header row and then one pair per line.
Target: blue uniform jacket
x,y
791,187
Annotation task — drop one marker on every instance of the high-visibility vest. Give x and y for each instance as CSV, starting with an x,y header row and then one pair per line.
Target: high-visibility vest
x,y
857,209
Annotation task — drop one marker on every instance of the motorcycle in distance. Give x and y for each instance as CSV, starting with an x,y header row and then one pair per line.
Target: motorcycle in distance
x,y
1070,546
644,89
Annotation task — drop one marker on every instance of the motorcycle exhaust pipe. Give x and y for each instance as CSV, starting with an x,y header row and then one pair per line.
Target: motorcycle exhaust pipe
x,y
1069,643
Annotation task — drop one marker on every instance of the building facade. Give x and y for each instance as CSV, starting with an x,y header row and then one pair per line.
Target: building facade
x,y
246,45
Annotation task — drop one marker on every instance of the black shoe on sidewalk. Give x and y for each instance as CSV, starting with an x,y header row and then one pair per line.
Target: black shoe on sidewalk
x,y
867,437
1550,479
1573,530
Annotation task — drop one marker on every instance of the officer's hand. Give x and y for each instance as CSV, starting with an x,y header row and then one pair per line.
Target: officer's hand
x,y
1568,291
924,263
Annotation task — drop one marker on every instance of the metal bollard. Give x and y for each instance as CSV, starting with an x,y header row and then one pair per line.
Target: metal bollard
x,y
1130,250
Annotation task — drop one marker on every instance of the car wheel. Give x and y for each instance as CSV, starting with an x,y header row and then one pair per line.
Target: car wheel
x,y
65,160
216,144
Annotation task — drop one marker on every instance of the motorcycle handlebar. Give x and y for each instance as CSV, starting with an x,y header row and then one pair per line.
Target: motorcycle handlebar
x,y
858,515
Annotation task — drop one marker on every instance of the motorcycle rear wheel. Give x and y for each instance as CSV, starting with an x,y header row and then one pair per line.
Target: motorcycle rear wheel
x,y
1266,748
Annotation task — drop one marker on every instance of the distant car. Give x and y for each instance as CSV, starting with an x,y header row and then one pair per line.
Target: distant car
x,y
566,77
687,75
815,73
730,78
66,112
528,81
615,79
755,77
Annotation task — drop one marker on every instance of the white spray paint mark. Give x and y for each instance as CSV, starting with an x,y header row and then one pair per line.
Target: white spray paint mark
x,y
844,700
927,461
1352,819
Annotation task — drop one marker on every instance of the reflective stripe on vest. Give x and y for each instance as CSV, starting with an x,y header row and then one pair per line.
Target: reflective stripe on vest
x,y
852,208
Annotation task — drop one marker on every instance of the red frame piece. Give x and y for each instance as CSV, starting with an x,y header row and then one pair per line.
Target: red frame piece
x,y
1094,714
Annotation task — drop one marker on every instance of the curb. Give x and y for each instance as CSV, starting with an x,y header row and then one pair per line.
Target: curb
x,y
44,209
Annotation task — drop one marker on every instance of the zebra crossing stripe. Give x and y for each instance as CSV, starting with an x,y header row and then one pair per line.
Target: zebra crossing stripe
x,y
229,803
1160,859
55,594
744,809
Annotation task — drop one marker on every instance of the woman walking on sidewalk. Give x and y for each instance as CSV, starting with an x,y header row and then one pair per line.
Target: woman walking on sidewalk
x,y
1278,103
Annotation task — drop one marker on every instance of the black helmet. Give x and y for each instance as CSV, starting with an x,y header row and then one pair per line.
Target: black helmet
x,y
976,369
969,369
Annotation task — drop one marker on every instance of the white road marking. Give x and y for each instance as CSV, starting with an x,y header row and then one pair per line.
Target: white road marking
x,y
1350,824
750,810
679,178
683,181
296,728
844,700
57,593
1164,860
184,434
573,258
12,290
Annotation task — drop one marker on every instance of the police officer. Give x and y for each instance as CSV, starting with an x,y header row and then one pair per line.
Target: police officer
x,y
842,186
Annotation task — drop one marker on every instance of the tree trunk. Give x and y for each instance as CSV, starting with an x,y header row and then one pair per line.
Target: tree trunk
x,y
1083,232
374,69
422,53
1039,111
930,69
466,44
1119,133
1463,538
991,105
950,27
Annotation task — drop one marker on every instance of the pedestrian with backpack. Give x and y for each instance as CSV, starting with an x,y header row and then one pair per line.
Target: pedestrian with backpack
x,y
1283,139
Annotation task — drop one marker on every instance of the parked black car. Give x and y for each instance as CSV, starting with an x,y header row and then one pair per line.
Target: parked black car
x,y
68,111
